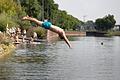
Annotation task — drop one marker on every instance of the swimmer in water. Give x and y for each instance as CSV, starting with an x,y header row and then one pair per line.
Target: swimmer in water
x,y
49,26
101,43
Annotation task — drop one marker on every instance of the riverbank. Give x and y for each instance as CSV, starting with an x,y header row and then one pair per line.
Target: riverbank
x,y
103,33
113,33
6,46
6,50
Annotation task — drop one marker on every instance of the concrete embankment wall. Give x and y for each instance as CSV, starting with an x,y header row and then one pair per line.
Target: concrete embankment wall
x,y
75,33
51,36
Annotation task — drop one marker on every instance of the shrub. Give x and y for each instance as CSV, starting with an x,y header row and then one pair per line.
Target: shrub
x,y
4,40
4,20
41,33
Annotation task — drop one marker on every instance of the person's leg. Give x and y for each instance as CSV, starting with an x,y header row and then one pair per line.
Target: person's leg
x,y
33,20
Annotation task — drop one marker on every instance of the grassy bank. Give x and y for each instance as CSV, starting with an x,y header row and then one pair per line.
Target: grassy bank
x,y
103,33
5,50
6,46
113,33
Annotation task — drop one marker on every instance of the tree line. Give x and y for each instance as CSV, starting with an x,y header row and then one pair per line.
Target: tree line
x,y
105,23
11,12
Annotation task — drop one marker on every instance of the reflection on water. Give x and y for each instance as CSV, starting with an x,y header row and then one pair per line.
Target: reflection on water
x,y
88,60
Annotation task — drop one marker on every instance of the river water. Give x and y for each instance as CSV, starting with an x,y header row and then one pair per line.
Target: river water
x,y
87,60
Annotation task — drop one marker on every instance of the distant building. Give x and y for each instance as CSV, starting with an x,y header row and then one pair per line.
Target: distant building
x,y
116,28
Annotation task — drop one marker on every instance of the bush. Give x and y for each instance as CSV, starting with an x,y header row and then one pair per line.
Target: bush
x,y
41,33
4,20
4,40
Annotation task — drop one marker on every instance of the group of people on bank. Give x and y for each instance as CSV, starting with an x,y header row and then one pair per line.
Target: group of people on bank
x,y
17,35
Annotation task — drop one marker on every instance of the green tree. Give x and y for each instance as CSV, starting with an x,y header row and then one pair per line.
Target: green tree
x,y
58,17
31,7
105,23
40,9
9,7
8,10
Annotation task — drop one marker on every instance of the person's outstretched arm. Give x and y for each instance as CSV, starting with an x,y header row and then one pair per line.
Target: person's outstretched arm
x,y
33,20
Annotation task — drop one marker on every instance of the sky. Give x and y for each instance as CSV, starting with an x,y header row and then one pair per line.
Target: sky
x,y
91,9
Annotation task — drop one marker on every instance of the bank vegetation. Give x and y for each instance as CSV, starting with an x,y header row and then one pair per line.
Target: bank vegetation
x,y
6,46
